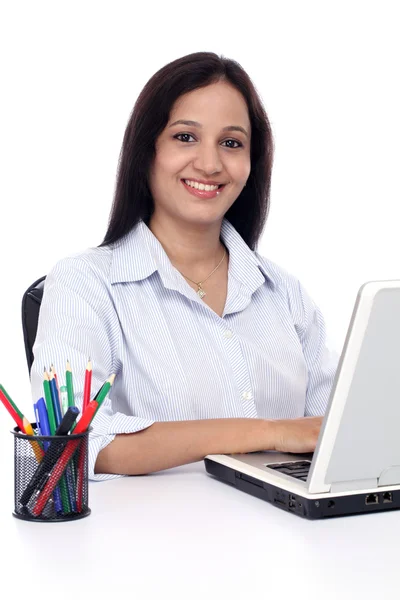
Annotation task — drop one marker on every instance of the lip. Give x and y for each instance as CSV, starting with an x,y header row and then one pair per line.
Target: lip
x,y
203,193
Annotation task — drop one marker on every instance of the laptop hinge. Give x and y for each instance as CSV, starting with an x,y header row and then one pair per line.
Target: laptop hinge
x,y
357,484
389,476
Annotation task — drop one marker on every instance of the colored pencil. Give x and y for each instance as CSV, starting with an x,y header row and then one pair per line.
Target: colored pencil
x,y
52,370
49,403
88,382
56,399
37,449
21,421
15,407
70,387
15,415
103,391
65,495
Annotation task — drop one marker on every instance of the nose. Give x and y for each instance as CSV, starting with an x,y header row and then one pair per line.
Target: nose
x,y
207,159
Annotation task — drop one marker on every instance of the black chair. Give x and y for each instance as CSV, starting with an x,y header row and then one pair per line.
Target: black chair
x,y
30,314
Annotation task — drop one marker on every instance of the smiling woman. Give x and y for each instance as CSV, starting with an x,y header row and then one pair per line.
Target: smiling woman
x,y
215,348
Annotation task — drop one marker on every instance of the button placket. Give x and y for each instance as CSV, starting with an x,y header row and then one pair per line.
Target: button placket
x,y
237,361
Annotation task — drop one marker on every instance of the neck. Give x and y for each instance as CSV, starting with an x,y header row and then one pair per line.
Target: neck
x,y
192,249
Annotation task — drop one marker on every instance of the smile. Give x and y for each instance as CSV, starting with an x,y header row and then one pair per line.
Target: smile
x,y
201,190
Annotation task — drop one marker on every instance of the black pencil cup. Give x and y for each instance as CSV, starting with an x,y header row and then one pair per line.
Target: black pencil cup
x,y
51,476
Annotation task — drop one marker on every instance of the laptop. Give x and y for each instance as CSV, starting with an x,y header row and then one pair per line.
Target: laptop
x,y
355,467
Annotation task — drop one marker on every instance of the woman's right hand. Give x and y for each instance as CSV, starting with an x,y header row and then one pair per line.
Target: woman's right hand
x,y
296,435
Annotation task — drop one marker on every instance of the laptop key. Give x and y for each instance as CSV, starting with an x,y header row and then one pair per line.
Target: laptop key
x,y
295,464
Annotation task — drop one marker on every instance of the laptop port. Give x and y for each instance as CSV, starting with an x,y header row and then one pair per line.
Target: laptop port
x,y
292,497
387,497
372,499
331,503
292,504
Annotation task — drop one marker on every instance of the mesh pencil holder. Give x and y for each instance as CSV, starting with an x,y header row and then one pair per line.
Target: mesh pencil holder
x,y
50,476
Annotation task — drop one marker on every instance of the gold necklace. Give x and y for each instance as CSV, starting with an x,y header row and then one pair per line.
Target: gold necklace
x,y
200,290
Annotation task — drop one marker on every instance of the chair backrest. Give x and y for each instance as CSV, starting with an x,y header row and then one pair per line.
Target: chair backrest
x,y
30,315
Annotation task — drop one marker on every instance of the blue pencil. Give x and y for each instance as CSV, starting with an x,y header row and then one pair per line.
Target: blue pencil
x,y
44,429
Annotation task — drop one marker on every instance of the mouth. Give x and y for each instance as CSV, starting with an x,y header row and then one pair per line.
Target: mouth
x,y
204,193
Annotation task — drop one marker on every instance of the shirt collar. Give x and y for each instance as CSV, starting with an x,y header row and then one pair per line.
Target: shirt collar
x,y
139,254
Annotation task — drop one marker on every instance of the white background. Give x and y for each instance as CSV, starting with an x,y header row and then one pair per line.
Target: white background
x,y
327,73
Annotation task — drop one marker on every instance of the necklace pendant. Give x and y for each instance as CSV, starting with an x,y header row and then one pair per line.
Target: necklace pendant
x,y
201,292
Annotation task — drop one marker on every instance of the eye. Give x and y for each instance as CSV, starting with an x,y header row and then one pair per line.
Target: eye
x,y
179,135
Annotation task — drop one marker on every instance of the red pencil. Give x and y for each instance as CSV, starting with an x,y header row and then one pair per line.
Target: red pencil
x,y
12,412
79,479
88,382
65,457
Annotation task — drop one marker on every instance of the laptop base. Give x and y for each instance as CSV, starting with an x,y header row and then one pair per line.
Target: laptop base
x,y
321,508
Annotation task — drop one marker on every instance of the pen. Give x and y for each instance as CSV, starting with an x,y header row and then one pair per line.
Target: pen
x,y
68,420
36,411
64,399
44,430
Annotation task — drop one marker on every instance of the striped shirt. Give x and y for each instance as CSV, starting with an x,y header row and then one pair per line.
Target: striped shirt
x,y
127,307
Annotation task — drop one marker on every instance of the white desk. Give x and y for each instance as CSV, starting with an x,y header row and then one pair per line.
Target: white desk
x,y
182,534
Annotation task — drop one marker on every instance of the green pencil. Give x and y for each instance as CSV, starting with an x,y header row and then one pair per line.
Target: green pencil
x,y
49,402
70,387
100,397
102,393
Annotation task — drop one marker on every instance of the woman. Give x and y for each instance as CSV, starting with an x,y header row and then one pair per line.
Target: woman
x,y
215,348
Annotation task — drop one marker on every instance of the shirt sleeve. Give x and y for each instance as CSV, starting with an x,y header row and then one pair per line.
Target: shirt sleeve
x,y
321,360
77,320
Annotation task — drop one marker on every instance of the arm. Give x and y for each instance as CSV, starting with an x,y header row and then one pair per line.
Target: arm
x,y
170,444
166,445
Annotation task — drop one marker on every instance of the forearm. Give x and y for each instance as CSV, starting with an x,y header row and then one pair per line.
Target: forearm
x,y
170,444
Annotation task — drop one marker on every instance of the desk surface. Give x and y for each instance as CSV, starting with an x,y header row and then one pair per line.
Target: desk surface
x,y
183,534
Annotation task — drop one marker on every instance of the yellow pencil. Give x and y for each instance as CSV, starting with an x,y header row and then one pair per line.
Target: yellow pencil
x,y
39,453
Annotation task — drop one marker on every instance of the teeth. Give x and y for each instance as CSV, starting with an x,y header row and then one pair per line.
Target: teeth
x,y
200,186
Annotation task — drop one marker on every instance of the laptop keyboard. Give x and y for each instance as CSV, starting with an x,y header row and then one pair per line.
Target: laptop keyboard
x,y
297,468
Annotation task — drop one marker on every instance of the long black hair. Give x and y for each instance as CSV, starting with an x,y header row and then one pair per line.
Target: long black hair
x,y
133,201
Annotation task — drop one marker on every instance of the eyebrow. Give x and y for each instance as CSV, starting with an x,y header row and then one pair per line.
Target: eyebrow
x,y
196,124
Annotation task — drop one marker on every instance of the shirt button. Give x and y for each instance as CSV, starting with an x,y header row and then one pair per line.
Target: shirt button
x,y
247,395
228,333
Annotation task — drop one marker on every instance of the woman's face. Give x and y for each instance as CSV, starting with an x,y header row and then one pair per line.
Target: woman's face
x,y
205,151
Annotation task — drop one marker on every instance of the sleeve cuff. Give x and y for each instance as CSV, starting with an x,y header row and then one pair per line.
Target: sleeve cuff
x,y
98,441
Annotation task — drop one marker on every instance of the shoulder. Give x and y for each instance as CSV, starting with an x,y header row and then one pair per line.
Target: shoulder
x,y
82,278
300,304
282,279
92,264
